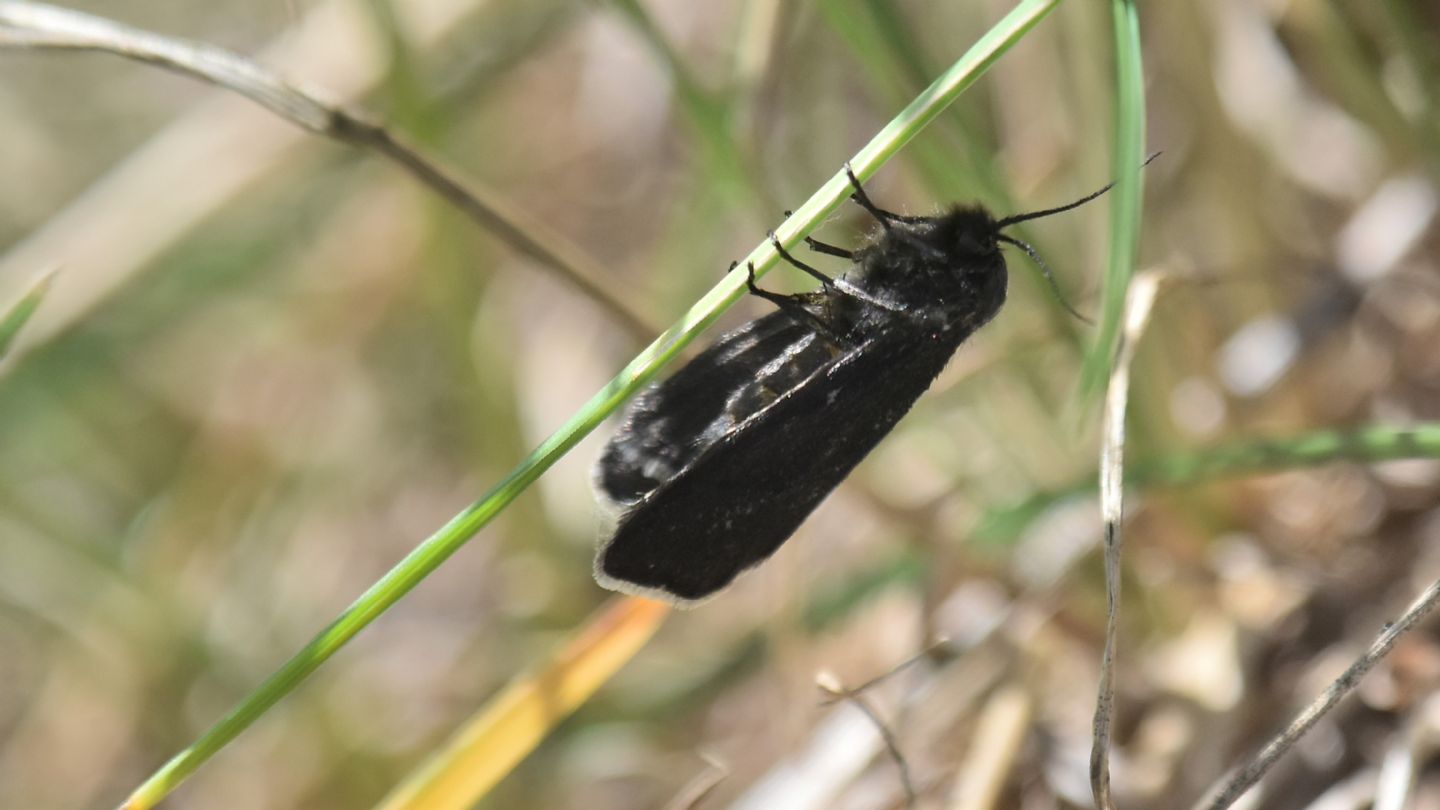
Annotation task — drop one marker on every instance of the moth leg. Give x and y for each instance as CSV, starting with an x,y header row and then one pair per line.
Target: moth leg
x,y
840,286
824,280
790,306
881,215
827,249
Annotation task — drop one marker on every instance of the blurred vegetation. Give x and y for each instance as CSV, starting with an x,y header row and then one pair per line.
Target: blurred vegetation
x,y
211,449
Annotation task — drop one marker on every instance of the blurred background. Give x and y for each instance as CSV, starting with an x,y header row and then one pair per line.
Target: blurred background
x,y
270,365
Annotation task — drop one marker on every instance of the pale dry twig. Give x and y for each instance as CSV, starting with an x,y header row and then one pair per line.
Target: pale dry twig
x,y
1245,778
1139,301
834,691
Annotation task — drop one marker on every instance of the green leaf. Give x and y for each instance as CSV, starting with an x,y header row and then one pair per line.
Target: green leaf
x,y
20,312
1125,197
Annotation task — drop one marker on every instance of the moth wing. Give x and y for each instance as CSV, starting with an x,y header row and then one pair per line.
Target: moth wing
x,y
671,423
738,500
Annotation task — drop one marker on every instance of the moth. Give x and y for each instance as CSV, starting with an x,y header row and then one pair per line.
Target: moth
x,y
715,467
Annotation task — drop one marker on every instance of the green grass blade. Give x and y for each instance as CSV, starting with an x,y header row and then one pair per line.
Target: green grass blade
x,y
19,313
918,114
893,62
438,547
709,113
1367,445
1125,197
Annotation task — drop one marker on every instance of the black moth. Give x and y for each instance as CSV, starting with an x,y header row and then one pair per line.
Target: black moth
x,y
718,465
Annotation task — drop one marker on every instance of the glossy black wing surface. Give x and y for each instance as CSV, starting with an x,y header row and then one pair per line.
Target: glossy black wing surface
x,y
782,421
670,423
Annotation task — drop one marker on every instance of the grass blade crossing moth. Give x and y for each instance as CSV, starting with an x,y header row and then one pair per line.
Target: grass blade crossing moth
x,y
716,466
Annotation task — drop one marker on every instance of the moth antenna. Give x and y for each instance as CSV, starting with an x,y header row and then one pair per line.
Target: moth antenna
x,y
1045,271
1011,220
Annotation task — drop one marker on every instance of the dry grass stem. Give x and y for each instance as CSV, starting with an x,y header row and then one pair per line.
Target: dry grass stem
x,y
1139,301
1245,778
701,786
834,691
35,25
999,734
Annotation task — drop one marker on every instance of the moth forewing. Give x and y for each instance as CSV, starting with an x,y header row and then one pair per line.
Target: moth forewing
x,y
784,363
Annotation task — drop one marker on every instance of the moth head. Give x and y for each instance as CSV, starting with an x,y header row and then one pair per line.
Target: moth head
x,y
967,235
